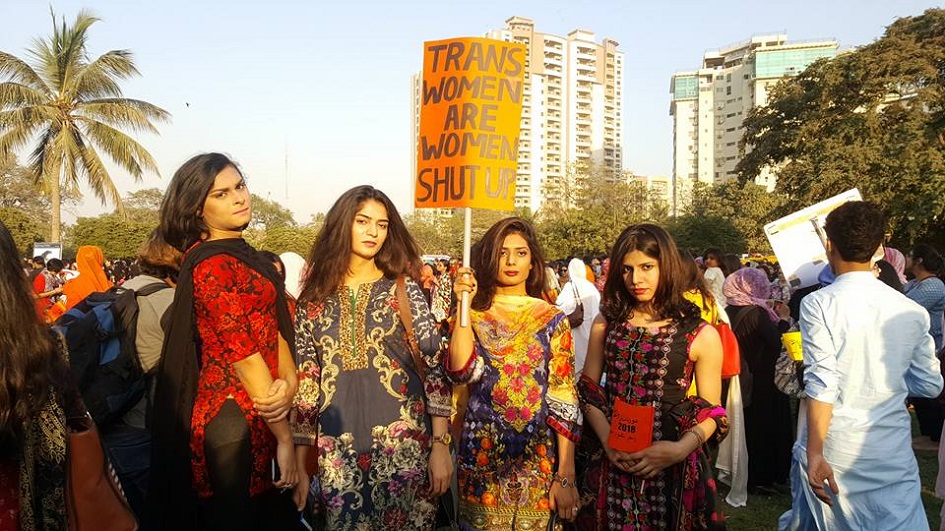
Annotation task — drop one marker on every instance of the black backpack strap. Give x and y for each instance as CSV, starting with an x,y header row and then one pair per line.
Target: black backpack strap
x,y
151,289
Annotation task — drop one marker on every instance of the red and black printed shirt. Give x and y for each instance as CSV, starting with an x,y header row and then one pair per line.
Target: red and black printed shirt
x,y
235,314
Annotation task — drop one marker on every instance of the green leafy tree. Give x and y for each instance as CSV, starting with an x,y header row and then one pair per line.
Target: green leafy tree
x,y
118,236
18,191
696,233
144,205
22,227
74,106
270,214
430,232
289,239
873,119
599,204
145,199
749,207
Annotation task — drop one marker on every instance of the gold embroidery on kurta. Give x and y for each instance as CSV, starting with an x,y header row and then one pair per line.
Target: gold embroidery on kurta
x,y
352,336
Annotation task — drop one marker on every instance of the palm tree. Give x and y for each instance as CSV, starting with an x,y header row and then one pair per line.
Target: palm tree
x,y
70,108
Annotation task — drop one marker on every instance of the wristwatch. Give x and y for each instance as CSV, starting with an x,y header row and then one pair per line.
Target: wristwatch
x,y
445,439
564,481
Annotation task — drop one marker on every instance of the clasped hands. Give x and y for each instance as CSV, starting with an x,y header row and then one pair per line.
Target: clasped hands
x,y
648,462
275,406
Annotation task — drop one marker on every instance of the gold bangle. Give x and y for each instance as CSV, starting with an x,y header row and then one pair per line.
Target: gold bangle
x,y
698,434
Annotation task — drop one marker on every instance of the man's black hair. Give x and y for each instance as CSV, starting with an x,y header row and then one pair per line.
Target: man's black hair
x,y
55,265
856,229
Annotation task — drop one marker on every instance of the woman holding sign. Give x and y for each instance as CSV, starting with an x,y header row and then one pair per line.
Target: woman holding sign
x,y
515,462
648,343
373,396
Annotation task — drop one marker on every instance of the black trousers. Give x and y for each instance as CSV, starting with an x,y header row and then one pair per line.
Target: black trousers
x,y
930,413
229,467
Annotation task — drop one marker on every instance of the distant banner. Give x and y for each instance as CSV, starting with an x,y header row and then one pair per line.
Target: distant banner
x,y
798,240
47,250
470,115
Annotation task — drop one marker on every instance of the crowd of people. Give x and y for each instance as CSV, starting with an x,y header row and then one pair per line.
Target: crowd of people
x,y
347,387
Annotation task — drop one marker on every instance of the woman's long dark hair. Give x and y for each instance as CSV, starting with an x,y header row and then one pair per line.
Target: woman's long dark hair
x,y
668,302
28,356
331,254
180,224
485,261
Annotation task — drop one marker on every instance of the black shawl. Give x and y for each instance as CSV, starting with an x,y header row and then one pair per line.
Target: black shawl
x,y
172,501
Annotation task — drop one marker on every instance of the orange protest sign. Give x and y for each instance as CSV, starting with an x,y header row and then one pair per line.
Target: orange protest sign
x,y
470,109
631,427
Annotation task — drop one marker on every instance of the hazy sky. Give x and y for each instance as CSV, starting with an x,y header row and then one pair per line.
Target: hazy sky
x,y
328,83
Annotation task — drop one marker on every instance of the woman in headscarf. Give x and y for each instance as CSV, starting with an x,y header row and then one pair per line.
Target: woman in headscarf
x,y
427,281
898,261
552,288
758,328
579,290
602,279
91,265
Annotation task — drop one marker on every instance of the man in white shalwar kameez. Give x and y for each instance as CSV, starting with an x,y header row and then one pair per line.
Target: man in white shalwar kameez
x,y
866,348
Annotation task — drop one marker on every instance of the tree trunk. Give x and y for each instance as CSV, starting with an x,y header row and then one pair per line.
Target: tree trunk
x,y
55,198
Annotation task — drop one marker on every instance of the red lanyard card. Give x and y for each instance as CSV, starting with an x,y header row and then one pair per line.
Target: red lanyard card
x,y
631,427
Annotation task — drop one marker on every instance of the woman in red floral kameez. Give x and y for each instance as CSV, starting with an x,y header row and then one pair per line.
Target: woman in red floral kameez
x,y
227,376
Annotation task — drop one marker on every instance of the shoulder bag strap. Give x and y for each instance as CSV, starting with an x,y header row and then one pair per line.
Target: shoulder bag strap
x,y
577,296
403,304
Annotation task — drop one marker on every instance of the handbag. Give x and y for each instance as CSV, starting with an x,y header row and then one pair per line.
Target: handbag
x,y
731,356
576,318
94,498
786,377
788,373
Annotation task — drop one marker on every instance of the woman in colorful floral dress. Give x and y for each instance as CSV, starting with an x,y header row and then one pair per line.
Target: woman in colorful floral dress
x,y
381,432
648,343
515,462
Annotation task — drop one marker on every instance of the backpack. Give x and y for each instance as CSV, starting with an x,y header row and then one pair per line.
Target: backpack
x,y
100,334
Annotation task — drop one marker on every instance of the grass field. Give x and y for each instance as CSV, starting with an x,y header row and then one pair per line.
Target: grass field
x,y
762,512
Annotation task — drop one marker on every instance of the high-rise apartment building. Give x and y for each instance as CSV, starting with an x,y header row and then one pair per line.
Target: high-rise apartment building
x,y
709,104
571,107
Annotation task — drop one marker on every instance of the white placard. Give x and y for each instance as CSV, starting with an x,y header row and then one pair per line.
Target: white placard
x,y
47,250
798,240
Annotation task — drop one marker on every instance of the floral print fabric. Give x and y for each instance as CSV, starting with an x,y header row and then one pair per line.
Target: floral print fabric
x,y
235,316
647,366
362,400
522,394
